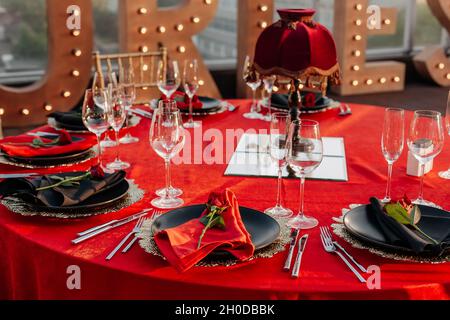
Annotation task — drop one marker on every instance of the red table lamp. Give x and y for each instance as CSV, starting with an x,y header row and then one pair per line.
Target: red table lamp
x,y
298,48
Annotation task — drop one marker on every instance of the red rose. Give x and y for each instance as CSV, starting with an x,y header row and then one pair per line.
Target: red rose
x,y
97,172
309,100
218,199
64,138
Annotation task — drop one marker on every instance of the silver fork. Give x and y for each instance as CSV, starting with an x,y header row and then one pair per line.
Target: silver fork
x,y
155,215
136,228
331,248
330,239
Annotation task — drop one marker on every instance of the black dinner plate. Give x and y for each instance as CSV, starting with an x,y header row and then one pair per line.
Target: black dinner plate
x,y
49,159
263,230
324,103
102,199
360,224
209,105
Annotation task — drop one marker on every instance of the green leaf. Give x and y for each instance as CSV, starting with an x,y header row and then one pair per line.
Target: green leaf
x,y
397,212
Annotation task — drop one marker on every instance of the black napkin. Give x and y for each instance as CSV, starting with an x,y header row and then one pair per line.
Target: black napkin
x,y
59,196
280,101
68,120
401,235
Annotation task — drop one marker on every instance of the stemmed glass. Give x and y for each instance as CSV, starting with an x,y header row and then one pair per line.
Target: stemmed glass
x,y
304,155
105,83
392,142
95,116
446,174
168,105
116,118
190,84
129,96
167,139
279,127
252,79
425,141
269,82
169,78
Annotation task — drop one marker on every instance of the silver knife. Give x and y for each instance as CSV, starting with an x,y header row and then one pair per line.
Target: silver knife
x,y
108,227
82,233
294,236
18,175
350,257
298,260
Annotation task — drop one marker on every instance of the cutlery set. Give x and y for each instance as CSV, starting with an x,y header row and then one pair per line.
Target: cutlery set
x,y
301,248
332,246
95,231
329,246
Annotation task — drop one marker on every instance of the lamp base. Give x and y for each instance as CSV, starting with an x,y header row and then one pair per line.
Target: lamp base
x,y
295,100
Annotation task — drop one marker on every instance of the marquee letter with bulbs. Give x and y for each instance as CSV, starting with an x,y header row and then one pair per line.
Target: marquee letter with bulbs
x,y
351,19
68,70
253,18
144,26
432,62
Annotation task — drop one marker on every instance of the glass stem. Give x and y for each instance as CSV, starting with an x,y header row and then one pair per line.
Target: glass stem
x,y
422,175
269,105
280,177
388,186
167,166
99,150
253,109
191,118
127,121
302,196
117,145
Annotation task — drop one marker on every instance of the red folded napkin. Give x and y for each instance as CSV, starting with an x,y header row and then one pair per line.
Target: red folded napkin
x,y
180,244
182,100
20,146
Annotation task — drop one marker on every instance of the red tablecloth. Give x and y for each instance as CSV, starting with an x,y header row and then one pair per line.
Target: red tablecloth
x,y
36,252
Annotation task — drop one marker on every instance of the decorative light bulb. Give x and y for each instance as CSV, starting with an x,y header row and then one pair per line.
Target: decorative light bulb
x,y
48,107
262,24
396,79
369,82
440,66
181,49
179,27
142,11
25,111
358,7
76,52
357,53
383,80
387,21
357,37
355,67
143,49
195,19
76,33
263,8
355,83
142,30
161,29
201,82
75,73
66,94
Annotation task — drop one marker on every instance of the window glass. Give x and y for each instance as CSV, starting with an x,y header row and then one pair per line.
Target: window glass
x,y
23,35
428,29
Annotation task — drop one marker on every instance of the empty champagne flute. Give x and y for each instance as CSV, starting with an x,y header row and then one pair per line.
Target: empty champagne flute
x,y
190,84
279,127
304,155
168,105
446,174
104,83
116,118
269,82
252,79
392,142
167,139
129,96
95,116
168,77
425,141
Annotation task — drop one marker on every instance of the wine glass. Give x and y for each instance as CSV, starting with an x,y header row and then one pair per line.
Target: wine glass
x,y
167,139
446,174
252,79
190,84
169,78
269,82
129,96
104,83
425,141
279,127
116,118
95,116
168,105
304,155
392,141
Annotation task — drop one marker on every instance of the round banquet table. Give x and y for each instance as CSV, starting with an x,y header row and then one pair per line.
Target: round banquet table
x,y
36,252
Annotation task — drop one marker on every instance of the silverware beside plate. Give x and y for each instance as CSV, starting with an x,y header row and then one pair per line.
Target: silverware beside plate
x,y
294,237
298,259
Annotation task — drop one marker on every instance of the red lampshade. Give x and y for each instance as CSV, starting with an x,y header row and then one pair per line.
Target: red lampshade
x,y
297,47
